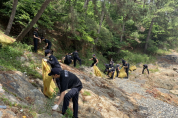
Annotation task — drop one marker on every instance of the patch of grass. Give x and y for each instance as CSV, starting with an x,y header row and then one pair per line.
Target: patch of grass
x,y
154,70
9,59
162,52
134,58
86,93
68,114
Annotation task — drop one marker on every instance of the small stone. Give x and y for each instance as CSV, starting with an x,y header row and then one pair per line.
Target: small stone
x,y
11,113
174,92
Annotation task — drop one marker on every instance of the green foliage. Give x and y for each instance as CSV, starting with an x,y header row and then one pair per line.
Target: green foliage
x,y
12,53
86,93
68,114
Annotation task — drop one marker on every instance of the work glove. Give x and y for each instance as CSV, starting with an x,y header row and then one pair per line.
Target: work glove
x,y
55,107
45,59
44,48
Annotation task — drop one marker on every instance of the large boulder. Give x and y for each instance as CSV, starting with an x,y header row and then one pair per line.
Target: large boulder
x,y
17,84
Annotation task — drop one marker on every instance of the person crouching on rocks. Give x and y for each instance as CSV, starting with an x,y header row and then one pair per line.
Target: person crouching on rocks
x,y
67,80
95,60
47,43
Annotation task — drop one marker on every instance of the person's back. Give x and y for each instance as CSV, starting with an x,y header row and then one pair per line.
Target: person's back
x,y
76,57
54,62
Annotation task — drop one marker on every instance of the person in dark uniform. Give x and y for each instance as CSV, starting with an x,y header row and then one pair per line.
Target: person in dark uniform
x,y
76,57
112,71
36,39
145,67
95,60
67,80
117,69
107,68
47,42
67,59
123,62
111,63
126,66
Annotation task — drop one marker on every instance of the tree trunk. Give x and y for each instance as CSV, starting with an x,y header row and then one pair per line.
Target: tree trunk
x,y
148,36
8,29
86,3
123,27
35,19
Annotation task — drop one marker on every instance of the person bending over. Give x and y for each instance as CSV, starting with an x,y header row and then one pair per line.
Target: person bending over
x,y
67,80
95,60
145,67
47,43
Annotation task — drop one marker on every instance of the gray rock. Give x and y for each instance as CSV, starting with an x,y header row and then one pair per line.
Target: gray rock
x,y
56,115
85,77
163,90
43,115
1,114
18,85
11,113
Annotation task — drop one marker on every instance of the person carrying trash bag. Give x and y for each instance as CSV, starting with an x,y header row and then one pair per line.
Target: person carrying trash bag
x,y
126,66
47,43
67,59
117,69
111,72
107,69
67,80
145,67
52,61
36,39
76,57
95,60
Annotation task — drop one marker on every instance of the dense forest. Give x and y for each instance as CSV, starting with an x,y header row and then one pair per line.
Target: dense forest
x,y
111,27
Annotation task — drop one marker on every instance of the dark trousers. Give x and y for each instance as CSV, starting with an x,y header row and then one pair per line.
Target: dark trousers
x,y
144,69
75,59
117,72
48,47
127,71
93,64
106,70
35,44
74,94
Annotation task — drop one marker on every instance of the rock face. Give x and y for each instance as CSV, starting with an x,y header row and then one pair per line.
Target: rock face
x,y
17,84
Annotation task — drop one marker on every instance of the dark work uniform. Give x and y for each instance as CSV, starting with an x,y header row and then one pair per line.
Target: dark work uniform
x,y
54,64
68,80
107,69
94,61
111,63
123,62
145,67
117,70
76,57
35,40
67,60
113,71
49,44
127,69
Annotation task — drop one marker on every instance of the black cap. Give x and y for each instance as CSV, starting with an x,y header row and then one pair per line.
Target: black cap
x,y
46,52
55,71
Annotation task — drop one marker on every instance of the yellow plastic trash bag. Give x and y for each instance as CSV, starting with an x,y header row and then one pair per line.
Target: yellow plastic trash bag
x,y
115,73
97,72
49,85
122,73
4,39
132,68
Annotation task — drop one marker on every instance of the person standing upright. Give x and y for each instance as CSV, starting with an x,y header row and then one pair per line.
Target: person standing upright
x,y
36,39
76,57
